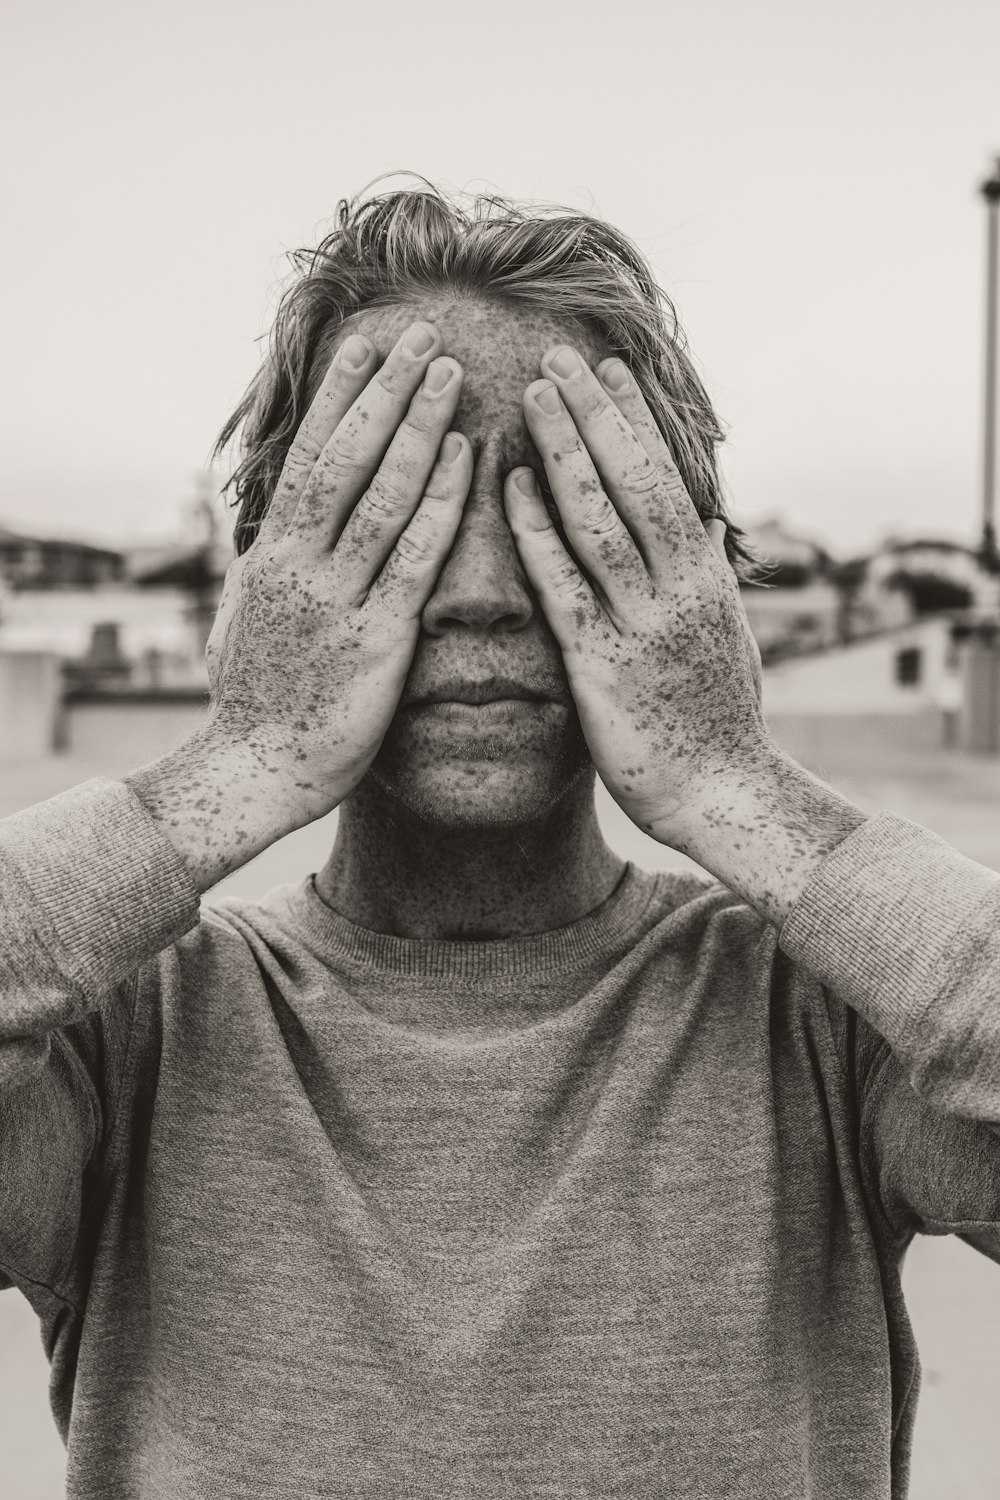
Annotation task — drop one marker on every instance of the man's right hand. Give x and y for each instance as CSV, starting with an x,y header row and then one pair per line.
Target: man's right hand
x,y
319,618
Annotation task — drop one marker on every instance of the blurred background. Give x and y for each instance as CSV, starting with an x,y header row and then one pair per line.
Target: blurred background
x,y
814,186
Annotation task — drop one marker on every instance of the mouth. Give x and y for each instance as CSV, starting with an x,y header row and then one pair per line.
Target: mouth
x,y
461,713
479,692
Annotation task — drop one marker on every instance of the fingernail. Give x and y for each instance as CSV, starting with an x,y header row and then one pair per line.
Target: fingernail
x,y
437,377
419,339
615,376
564,362
526,483
548,399
451,448
353,352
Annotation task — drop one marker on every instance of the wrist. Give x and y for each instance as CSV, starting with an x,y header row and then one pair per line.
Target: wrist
x,y
763,830
221,801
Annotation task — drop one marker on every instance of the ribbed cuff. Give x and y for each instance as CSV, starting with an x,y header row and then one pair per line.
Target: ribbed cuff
x,y
887,917
107,891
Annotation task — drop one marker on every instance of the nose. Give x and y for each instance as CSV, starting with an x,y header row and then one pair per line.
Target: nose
x,y
482,583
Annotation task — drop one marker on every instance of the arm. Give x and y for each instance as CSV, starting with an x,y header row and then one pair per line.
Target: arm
x,y
764,833
666,677
307,662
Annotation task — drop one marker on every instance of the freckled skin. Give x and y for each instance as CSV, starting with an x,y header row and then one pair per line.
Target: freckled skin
x,y
485,838
631,624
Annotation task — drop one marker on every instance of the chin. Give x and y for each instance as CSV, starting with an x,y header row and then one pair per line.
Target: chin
x,y
479,781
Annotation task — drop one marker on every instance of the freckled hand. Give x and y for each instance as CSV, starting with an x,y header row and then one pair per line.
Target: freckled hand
x,y
319,618
646,609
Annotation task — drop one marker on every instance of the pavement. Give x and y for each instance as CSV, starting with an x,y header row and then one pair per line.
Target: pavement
x,y
953,1294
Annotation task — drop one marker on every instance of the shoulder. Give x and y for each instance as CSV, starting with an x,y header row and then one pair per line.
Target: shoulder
x,y
233,939
703,936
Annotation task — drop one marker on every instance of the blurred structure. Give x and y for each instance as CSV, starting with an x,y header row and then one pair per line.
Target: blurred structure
x,y
197,566
33,562
990,191
912,628
813,602
800,610
104,663
104,651
31,691
904,669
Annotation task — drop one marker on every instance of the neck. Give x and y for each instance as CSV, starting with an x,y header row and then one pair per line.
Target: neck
x,y
392,872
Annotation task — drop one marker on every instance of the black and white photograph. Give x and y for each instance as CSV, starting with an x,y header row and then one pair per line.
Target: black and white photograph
x,y
500,751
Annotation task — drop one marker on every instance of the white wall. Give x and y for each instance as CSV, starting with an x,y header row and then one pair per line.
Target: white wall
x,y
30,692
62,619
861,677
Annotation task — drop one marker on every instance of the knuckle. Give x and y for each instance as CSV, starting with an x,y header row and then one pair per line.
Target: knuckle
x,y
641,477
395,377
565,578
333,471
571,447
600,519
298,461
239,565
414,545
674,482
278,560
592,400
388,494
439,492
423,419
340,458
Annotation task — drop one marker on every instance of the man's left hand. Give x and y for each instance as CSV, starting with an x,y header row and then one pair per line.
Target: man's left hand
x,y
661,660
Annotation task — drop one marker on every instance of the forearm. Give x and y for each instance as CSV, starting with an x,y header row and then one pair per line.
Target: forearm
x,y
90,891
764,833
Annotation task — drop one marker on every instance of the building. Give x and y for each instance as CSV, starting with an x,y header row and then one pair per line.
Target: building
x,y
800,607
32,562
911,580
902,669
813,602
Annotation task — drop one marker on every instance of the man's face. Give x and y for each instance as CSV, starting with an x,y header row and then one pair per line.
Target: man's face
x,y
483,632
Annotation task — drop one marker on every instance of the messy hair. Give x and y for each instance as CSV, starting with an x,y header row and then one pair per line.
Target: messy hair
x,y
399,246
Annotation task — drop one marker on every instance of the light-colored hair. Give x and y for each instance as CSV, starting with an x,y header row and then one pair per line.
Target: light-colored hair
x,y
399,246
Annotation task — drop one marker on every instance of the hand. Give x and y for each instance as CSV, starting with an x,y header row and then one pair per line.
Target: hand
x,y
661,661
319,619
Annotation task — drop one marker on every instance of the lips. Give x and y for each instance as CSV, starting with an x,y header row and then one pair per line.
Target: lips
x,y
482,690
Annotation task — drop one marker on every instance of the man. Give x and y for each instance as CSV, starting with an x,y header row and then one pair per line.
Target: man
x,y
481,1164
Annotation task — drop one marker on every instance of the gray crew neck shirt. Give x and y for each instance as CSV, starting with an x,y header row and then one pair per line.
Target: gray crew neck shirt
x,y
308,1211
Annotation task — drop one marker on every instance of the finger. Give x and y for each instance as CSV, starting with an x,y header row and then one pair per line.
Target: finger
x,y
594,528
568,602
407,580
623,391
344,468
390,501
638,486
716,530
348,374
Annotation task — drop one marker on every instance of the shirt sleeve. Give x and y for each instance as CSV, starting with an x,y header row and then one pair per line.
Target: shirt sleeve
x,y
90,891
906,930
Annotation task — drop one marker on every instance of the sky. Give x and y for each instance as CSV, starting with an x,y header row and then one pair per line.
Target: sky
x,y
803,177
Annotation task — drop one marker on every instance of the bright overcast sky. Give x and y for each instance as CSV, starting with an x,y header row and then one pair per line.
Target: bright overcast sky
x,y
802,175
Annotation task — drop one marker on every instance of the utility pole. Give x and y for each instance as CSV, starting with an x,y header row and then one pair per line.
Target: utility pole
x,y
990,191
